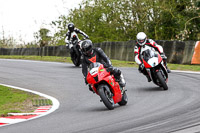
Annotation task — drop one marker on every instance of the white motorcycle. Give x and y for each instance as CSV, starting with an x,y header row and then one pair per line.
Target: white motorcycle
x,y
155,67
75,48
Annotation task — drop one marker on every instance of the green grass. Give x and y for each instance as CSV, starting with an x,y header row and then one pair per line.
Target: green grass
x,y
116,63
184,67
15,101
171,66
43,58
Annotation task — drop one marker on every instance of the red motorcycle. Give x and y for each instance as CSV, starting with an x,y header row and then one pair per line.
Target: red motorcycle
x,y
103,84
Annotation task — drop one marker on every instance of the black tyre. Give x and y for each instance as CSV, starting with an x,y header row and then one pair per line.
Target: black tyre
x,y
124,100
106,96
162,80
76,59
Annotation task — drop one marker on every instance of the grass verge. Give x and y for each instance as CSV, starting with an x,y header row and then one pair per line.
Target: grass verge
x,y
116,63
16,101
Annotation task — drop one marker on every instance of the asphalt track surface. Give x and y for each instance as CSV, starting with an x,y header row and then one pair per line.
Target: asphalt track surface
x,y
149,109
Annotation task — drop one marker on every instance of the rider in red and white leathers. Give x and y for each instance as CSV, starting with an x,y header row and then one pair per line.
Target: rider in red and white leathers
x,y
142,41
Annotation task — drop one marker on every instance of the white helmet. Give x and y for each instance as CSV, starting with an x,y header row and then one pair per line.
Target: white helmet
x,y
141,38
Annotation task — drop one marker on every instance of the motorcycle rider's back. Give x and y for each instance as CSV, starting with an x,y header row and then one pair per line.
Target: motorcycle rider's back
x,y
96,56
91,55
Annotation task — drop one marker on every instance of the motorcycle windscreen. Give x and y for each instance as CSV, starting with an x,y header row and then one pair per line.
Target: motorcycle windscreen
x,y
92,72
93,68
150,58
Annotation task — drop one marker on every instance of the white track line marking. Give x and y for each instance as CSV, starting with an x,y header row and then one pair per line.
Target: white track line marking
x,y
10,121
54,107
185,71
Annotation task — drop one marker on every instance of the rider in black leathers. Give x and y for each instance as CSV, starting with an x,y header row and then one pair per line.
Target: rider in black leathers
x,y
71,29
91,55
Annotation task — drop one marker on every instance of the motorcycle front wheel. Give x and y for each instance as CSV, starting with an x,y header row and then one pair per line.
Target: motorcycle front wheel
x,y
106,96
162,80
76,59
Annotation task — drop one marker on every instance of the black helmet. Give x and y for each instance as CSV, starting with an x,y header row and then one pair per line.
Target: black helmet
x,y
87,47
71,27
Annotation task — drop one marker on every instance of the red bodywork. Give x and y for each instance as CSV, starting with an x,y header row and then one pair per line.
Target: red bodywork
x,y
159,59
103,77
148,66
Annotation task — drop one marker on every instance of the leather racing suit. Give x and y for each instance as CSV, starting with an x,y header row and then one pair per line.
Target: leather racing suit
x,y
138,60
98,55
69,36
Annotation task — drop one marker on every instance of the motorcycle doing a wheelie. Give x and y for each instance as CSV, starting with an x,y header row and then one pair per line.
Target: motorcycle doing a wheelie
x,y
154,65
75,49
103,84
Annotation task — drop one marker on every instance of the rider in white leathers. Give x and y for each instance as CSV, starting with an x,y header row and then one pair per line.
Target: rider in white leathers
x,y
144,43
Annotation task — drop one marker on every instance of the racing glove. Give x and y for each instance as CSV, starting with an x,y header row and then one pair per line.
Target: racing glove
x,y
141,67
163,56
87,37
109,69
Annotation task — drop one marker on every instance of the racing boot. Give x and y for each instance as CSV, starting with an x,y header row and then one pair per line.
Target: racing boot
x,y
90,88
119,78
122,83
144,72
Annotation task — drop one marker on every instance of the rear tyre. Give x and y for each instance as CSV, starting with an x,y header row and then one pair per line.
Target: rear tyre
x,y
162,80
124,99
106,96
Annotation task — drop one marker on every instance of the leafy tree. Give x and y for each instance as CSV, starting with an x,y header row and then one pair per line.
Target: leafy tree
x,y
111,20
42,36
8,42
61,25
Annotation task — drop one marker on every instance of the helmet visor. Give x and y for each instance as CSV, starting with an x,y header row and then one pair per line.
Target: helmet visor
x,y
141,41
87,50
71,29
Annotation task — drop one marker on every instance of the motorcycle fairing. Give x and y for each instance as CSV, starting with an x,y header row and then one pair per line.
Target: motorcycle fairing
x,y
159,67
151,59
98,75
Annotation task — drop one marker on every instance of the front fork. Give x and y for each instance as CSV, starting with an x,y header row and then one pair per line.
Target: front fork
x,y
154,71
149,72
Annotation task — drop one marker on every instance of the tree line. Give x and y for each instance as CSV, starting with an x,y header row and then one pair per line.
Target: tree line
x,y
121,20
